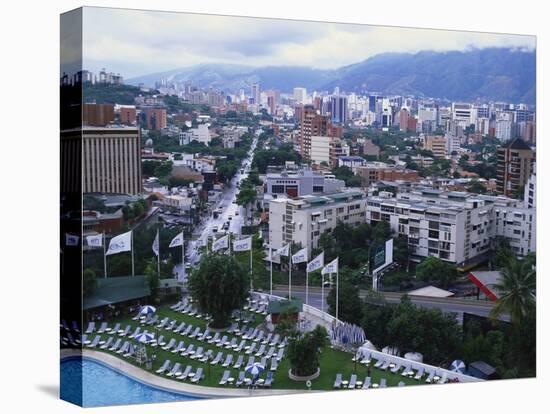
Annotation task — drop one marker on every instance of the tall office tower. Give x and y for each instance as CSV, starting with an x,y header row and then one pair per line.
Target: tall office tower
x,y
255,92
464,113
515,162
155,118
317,103
404,119
300,95
483,111
98,114
311,124
339,106
372,103
271,104
111,161
503,126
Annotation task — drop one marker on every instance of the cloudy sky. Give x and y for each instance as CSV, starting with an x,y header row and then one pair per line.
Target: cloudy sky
x,y
141,42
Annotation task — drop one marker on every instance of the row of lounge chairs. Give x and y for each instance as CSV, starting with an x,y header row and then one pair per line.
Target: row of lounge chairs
x,y
352,383
405,369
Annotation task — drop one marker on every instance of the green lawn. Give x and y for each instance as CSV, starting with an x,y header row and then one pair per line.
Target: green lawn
x,y
332,361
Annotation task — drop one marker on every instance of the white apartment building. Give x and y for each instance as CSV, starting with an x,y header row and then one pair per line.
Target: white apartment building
x,y
464,113
457,227
503,126
300,95
200,134
302,220
320,149
452,143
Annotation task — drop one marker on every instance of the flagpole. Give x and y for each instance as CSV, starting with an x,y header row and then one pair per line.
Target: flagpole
x,y
337,270
182,253
307,287
289,273
132,243
251,283
104,257
158,254
270,271
322,292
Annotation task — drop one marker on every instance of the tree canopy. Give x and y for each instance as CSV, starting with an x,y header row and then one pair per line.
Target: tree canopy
x,y
220,285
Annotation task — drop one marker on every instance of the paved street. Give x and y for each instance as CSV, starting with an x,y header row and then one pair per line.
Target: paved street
x,y
455,305
228,208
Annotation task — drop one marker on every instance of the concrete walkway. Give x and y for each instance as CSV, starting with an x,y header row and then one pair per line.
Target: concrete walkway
x,y
166,384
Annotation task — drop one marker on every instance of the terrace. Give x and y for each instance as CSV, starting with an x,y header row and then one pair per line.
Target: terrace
x,y
181,336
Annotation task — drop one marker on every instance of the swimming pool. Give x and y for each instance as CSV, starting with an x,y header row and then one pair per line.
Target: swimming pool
x,y
100,385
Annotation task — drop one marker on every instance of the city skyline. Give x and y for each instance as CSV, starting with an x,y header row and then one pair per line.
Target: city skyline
x,y
136,42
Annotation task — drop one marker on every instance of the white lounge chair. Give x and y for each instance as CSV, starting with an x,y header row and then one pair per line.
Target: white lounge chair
x,y
338,381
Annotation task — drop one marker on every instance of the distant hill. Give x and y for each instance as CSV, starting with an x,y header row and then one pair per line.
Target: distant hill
x,y
491,73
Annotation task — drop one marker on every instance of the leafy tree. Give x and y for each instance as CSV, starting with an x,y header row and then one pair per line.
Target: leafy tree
x,y
304,350
401,251
220,285
502,253
286,325
516,289
163,169
246,197
152,277
433,269
216,142
476,186
349,303
89,282
381,231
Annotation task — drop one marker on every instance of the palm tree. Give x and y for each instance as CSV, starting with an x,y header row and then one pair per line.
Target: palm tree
x,y
247,196
516,289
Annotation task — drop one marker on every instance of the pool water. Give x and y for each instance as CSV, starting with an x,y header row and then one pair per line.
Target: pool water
x,y
91,384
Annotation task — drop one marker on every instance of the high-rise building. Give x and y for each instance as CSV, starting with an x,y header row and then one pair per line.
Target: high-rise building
x,y
128,115
255,92
436,144
155,118
404,119
111,161
339,109
300,95
464,113
515,162
98,114
311,124
503,126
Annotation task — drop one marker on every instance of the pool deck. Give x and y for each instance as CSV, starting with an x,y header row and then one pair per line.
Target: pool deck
x,y
165,384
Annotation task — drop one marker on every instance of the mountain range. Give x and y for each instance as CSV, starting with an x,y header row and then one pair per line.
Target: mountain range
x,y
498,74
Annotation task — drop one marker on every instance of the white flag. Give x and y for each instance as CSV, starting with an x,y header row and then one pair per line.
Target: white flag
x,y
300,257
95,241
242,245
316,263
222,243
156,244
71,239
283,251
332,267
177,241
120,243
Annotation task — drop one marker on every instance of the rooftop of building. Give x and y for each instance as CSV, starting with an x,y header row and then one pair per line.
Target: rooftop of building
x,y
311,201
517,144
430,198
